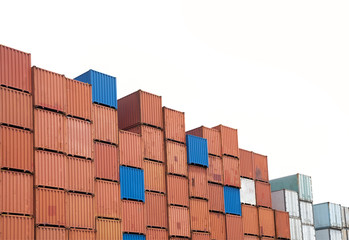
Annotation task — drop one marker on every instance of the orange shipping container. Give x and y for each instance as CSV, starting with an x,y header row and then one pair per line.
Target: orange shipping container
x,y
229,138
154,176
200,236
246,164
107,229
231,169
177,190
217,221
234,227
267,238
15,68
178,221
197,181
79,102
176,158
105,123
263,194
215,171
80,174
106,161
82,234
282,225
157,234
16,227
131,149
174,125
213,137
107,197
16,148
250,219
216,197
249,237
52,233
260,167
266,222
199,216
80,211
156,210
79,134
16,108
133,217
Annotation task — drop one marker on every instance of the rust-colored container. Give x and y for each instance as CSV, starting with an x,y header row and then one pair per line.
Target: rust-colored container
x,y
81,234
249,237
80,174
16,192
174,125
16,108
267,238
176,158
234,227
80,211
213,137
153,142
229,138
50,130
79,96
216,197
199,216
266,222
215,171
108,229
154,176
105,123
200,236
52,233
250,219
50,89
260,167
50,206
107,198
263,194
79,134
178,221
140,107
177,190
131,149
282,225
197,181
218,228
156,234
15,68
133,219
16,227
106,161
16,149
231,171
246,164
156,210
50,169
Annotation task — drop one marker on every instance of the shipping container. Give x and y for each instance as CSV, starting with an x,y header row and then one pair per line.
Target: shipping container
x,y
16,149
156,210
107,199
232,203
154,176
286,200
176,158
49,89
306,211
216,197
106,161
132,236
79,102
327,215
174,125
16,108
218,227
197,181
51,233
231,171
178,221
177,190
296,229
80,211
260,163
266,220
16,227
132,183
199,236
282,225
246,164
131,149
263,194
345,216
345,234
105,123
80,175
229,140
250,219
309,232
328,234
199,215
108,229
215,171
133,219
234,227
248,191
156,234
15,69
249,237
81,234
197,151
213,137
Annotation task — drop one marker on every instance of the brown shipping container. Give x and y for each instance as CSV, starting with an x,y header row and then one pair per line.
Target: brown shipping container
x,y
157,234
229,138
50,206
50,130
107,229
50,169
246,164
106,161
250,219
282,225
197,181
176,158
260,167
79,102
16,227
51,233
200,236
234,227
133,219
216,197
131,149
82,234
140,107
16,149
107,198
217,222
178,221
177,190
266,222
16,192
231,171
50,89
263,194
199,215
156,210
80,211
105,123
154,176
79,134
15,68
213,139
174,125
215,171
80,174
16,108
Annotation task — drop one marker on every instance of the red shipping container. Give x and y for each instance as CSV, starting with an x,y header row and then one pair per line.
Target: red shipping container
x,y
154,176
177,190
16,149
108,229
178,221
140,108
105,123
216,197
199,215
213,137
174,125
200,236
131,149
231,169
215,171
156,210
176,158
80,173
82,234
16,227
79,102
263,194
52,233
16,108
266,222
260,167
246,164
106,161
229,139
197,181
157,234
234,227
133,219
80,211
15,68
282,225
79,134
218,229
250,219
107,198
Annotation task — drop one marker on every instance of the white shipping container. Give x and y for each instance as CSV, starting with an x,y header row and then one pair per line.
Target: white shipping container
x,y
306,210
328,234
296,229
327,215
345,217
308,232
286,200
248,191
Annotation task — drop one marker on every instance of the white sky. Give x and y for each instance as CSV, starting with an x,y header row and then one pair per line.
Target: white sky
x,y
275,70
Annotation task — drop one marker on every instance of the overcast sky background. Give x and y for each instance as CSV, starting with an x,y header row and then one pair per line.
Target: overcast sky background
x,y
275,70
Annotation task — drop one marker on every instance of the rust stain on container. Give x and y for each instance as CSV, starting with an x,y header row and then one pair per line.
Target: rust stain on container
x,y
15,68
217,221
174,125
263,194
154,176
16,108
80,211
215,171
16,149
131,149
234,227
216,197
177,190
50,206
157,234
178,221
81,234
199,215
133,219
108,229
156,210
260,167
282,225
80,173
79,96
49,89
231,171
106,161
51,233
246,164
200,236
213,137
197,181
79,134
176,158
229,138
266,222
250,219
16,227
16,192
107,198
105,123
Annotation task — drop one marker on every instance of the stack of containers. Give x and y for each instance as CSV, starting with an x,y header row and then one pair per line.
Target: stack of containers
x,y
106,156
345,223
16,140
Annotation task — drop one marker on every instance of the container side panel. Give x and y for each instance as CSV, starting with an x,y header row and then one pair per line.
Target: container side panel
x,y
174,125
108,229
16,227
215,171
176,158
177,190
106,161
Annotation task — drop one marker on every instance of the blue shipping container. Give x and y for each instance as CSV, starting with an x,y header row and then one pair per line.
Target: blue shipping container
x,y
197,152
129,236
232,202
132,183
103,87
327,215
